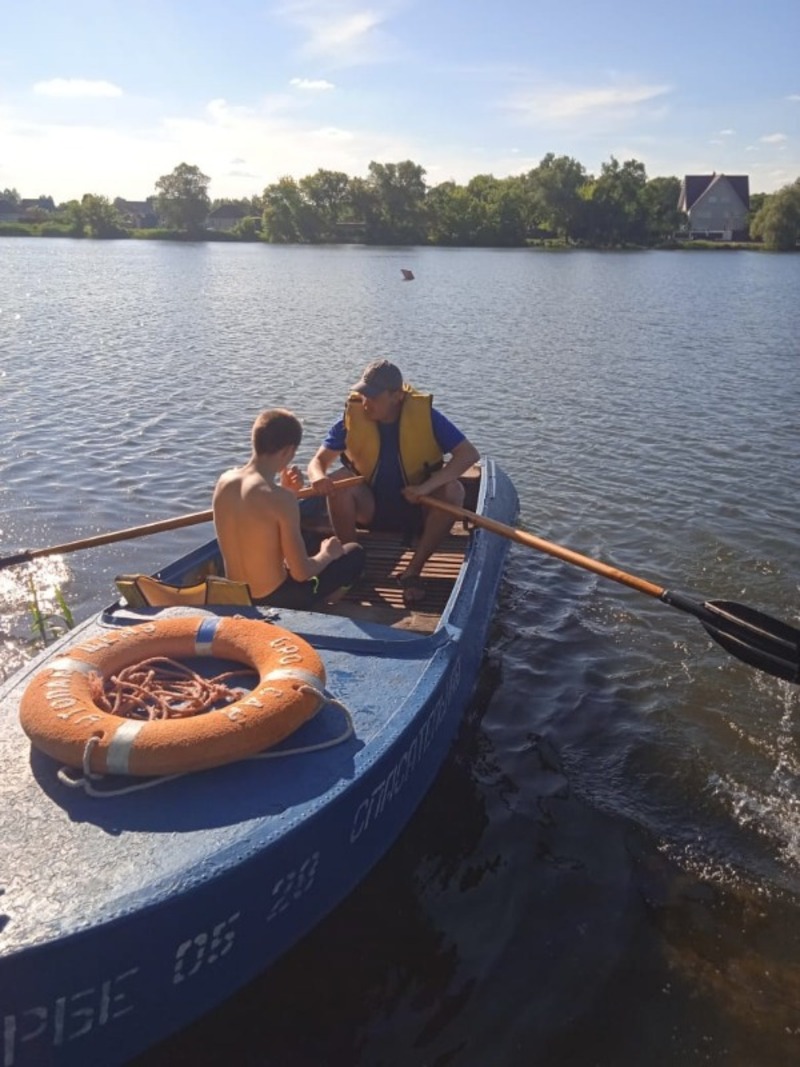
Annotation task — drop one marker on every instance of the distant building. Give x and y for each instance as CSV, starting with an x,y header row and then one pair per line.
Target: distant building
x,y
34,209
225,217
137,213
9,211
716,205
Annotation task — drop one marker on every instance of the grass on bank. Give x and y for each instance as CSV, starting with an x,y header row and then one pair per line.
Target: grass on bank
x,y
46,627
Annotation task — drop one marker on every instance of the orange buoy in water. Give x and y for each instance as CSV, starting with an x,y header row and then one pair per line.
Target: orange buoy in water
x,y
59,715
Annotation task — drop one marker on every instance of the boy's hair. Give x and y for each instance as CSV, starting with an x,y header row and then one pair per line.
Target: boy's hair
x,y
274,430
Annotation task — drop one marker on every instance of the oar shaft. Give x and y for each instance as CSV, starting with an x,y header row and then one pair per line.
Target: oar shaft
x,y
531,541
753,637
141,531
121,535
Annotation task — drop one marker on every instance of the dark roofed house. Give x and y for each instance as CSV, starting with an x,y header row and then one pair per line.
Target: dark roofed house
x,y
36,208
29,209
716,205
138,213
225,217
9,212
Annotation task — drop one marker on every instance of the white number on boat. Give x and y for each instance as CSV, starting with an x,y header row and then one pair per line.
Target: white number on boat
x,y
203,948
293,885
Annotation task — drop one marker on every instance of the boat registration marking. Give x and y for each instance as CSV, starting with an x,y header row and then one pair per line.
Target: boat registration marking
x,y
203,949
292,885
372,807
79,1014
69,1017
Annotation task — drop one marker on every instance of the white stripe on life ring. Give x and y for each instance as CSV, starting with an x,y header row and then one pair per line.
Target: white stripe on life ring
x,y
67,663
294,673
118,753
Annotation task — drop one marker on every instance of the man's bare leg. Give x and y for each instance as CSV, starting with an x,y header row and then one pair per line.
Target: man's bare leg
x,y
437,526
349,507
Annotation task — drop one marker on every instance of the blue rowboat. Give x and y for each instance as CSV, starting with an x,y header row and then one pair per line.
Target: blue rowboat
x,y
128,914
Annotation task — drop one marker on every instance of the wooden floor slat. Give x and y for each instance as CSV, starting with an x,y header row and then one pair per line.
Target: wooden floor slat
x,y
377,595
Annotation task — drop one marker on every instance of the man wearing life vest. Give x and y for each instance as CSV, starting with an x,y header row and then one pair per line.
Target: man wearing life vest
x,y
392,435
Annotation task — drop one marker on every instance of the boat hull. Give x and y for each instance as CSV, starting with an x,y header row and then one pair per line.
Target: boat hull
x,y
157,905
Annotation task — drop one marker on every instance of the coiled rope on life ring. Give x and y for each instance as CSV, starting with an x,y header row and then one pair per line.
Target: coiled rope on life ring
x,y
60,717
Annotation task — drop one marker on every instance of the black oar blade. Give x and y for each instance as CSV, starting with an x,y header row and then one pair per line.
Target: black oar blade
x,y
755,638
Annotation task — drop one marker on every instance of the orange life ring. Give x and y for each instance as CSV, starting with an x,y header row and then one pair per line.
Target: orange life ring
x,y
60,717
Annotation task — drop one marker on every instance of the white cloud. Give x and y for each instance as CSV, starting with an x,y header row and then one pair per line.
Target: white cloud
x,y
774,138
338,32
727,133
566,106
76,87
312,84
241,149
332,133
794,97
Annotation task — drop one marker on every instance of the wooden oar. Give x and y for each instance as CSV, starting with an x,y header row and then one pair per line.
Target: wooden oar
x,y
757,639
140,531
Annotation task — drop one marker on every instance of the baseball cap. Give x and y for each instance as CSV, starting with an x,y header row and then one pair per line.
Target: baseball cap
x,y
378,376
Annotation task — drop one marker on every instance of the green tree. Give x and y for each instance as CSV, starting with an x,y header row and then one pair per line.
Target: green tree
x,y
400,191
288,217
660,201
554,191
617,214
182,198
757,201
777,223
99,217
11,195
503,211
364,203
507,213
455,216
248,228
72,214
328,194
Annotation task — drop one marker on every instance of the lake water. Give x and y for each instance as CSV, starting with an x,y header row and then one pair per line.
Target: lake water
x,y
607,871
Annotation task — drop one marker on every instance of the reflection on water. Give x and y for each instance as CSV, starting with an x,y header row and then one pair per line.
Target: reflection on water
x,y
606,872
21,588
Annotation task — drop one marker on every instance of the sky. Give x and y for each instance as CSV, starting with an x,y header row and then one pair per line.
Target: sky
x,y
105,97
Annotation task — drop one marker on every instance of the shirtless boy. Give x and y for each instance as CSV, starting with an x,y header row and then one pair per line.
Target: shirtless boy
x,y
257,521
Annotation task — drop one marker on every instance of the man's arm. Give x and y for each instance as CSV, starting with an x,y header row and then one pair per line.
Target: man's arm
x,y
318,470
461,459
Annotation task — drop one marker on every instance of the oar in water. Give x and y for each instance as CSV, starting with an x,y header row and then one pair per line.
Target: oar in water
x,y
139,531
757,639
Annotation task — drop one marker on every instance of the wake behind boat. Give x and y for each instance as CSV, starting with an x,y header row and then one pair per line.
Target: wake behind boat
x,y
127,912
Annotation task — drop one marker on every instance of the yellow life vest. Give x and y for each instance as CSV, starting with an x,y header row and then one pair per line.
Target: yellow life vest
x,y
419,450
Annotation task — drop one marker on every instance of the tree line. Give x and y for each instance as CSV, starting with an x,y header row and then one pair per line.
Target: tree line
x,y
556,200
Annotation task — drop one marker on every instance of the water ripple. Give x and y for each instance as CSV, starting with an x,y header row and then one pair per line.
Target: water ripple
x,y
625,782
